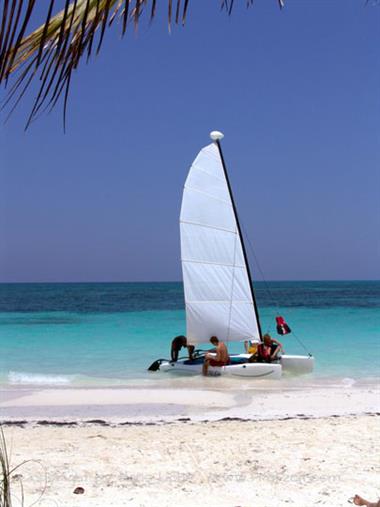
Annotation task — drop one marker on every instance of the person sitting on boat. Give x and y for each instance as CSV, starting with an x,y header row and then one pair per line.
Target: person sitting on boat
x,y
268,350
220,359
177,344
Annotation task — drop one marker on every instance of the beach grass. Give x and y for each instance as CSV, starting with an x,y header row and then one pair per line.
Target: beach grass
x,y
5,487
8,474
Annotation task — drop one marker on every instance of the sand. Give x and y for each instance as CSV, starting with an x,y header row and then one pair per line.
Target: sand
x,y
297,462
205,446
204,402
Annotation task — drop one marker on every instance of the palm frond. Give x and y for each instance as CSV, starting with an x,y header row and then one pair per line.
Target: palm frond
x,y
53,51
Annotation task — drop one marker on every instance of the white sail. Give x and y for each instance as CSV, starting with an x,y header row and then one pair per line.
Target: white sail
x,y
218,295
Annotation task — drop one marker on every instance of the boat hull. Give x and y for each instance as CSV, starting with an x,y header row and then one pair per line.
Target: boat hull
x,y
253,370
297,365
239,367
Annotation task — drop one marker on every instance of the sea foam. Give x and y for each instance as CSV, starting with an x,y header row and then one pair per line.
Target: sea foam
x,y
23,378
348,382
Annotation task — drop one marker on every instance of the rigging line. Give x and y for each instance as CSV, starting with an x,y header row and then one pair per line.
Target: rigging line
x,y
301,343
267,287
274,300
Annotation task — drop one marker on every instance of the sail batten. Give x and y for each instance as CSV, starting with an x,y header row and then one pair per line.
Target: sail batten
x,y
215,263
218,295
209,195
231,231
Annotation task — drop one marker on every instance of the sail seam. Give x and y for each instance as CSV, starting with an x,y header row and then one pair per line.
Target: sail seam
x,y
198,168
214,263
208,195
212,151
208,226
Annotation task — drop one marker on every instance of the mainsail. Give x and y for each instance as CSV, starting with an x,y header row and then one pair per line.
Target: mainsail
x,y
218,295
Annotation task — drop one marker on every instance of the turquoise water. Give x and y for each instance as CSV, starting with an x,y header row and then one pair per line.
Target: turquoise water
x,y
75,334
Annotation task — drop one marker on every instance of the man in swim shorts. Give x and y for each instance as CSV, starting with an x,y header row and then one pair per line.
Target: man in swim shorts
x,y
220,359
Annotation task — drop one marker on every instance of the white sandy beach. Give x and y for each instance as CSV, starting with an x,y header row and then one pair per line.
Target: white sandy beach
x,y
227,463
190,447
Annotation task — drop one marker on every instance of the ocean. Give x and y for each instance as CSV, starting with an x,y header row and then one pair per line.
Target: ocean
x,y
91,334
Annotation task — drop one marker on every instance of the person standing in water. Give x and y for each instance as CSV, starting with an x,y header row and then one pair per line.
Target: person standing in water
x,y
221,359
177,344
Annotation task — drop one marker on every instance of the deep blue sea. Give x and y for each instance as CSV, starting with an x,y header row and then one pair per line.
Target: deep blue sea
x,y
109,333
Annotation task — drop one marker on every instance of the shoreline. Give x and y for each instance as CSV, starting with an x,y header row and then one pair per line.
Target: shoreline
x,y
158,404
88,423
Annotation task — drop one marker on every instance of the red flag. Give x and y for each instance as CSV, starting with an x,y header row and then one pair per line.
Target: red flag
x,y
282,326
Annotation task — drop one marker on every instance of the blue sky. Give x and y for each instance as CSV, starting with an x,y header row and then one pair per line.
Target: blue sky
x,y
296,93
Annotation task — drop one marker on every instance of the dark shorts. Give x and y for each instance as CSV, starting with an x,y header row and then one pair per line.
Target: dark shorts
x,y
214,362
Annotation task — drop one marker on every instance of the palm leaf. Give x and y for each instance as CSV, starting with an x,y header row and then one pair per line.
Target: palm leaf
x,y
53,51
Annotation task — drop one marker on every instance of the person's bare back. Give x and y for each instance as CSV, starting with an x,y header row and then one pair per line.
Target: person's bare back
x,y
221,357
222,353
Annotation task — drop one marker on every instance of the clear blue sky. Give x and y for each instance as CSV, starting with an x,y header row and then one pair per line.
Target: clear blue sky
x,y
297,94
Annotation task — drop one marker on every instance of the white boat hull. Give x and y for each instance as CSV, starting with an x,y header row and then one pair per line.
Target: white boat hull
x,y
296,365
256,370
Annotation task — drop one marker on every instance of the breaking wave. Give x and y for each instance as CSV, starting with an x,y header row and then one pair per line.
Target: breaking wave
x,y
22,378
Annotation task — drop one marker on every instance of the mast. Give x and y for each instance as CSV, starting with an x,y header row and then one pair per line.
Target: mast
x,y
216,137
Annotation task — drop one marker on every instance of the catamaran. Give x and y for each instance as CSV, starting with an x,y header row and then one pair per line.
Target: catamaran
x,y
219,294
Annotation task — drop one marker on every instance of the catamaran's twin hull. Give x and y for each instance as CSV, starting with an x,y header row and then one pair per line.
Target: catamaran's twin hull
x,y
297,365
258,370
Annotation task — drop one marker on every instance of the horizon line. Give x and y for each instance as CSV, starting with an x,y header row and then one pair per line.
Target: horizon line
x,y
180,281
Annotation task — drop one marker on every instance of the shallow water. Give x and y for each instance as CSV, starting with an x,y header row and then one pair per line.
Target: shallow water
x,y
108,334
